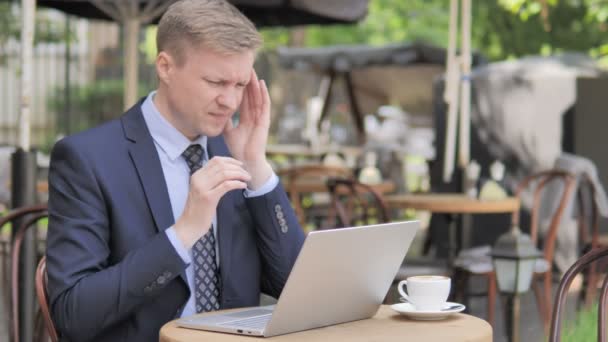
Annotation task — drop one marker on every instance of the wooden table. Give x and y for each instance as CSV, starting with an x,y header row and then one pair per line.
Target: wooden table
x,y
453,204
386,325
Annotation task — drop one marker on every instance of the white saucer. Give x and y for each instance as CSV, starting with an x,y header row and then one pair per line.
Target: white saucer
x,y
410,311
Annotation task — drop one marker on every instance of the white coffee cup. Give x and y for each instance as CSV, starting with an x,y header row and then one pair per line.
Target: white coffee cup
x,y
426,293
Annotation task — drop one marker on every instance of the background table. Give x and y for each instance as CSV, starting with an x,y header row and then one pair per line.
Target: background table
x,y
453,204
387,325
447,203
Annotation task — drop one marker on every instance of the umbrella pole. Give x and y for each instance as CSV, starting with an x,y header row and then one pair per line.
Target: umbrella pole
x,y
451,94
465,92
23,171
130,72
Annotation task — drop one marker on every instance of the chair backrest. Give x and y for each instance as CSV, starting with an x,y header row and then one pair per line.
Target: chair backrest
x,y
588,213
313,171
42,295
562,292
298,180
355,203
537,182
28,216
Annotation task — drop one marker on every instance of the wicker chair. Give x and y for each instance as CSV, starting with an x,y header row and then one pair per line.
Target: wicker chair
x,y
354,203
42,295
28,216
471,263
592,257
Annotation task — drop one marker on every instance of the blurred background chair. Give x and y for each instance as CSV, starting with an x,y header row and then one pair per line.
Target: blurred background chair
x,y
42,295
592,257
478,262
310,180
28,217
354,203
589,237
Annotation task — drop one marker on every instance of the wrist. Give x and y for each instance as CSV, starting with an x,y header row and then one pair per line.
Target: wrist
x,y
185,234
260,173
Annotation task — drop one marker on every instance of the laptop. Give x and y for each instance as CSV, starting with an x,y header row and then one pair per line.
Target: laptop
x,y
340,275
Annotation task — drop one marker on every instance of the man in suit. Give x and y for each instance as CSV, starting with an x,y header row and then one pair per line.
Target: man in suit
x,y
171,209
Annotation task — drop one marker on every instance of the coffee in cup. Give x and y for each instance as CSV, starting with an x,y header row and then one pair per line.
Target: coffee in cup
x,y
427,292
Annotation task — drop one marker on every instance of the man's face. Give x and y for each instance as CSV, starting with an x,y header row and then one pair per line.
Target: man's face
x,y
205,91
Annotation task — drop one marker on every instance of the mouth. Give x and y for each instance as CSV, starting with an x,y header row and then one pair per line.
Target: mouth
x,y
219,115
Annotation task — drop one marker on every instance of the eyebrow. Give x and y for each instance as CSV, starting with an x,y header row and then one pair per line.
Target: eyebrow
x,y
224,80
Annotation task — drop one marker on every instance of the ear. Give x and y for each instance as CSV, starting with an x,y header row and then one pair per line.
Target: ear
x,y
165,65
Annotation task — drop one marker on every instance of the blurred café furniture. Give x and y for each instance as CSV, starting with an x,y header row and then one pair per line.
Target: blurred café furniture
x,y
26,218
354,203
455,204
592,257
386,325
43,301
308,179
590,238
477,261
294,152
451,204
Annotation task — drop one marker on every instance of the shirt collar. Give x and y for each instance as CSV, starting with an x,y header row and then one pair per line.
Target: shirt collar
x,y
170,140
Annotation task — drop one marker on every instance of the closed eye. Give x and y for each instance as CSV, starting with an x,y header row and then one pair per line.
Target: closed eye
x,y
215,83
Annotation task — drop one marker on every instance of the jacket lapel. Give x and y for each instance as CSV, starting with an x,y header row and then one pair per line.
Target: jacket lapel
x,y
146,162
217,147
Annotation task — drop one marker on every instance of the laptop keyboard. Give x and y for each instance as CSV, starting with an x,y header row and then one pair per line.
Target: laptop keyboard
x,y
258,322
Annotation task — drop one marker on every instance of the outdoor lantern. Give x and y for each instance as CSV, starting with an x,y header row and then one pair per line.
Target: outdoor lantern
x,y
514,256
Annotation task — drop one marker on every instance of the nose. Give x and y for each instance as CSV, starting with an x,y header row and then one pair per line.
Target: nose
x,y
229,98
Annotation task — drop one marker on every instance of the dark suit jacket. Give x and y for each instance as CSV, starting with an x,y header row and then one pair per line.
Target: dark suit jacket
x,y
113,274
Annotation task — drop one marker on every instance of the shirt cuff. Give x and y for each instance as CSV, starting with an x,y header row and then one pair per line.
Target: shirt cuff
x,y
177,244
270,184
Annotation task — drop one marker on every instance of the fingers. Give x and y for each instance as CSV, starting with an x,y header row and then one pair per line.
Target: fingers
x,y
256,97
265,97
228,127
217,171
226,186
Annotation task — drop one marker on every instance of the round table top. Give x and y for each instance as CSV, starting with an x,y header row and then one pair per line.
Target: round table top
x,y
386,325
452,203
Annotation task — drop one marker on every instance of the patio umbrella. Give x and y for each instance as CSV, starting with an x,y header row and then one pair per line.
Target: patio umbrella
x,y
132,14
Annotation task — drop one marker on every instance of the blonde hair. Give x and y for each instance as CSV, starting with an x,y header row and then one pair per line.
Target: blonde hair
x,y
213,24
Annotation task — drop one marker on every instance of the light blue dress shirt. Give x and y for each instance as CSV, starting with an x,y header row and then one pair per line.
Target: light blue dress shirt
x,y
170,144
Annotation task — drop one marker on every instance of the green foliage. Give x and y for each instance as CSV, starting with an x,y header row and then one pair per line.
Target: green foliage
x,y
47,30
501,28
90,104
8,23
388,21
583,328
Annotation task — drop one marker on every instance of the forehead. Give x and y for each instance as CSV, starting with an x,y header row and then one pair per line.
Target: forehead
x,y
235,66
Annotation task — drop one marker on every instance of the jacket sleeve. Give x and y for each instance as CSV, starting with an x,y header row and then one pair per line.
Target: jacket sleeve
x,y
87,293
280,237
